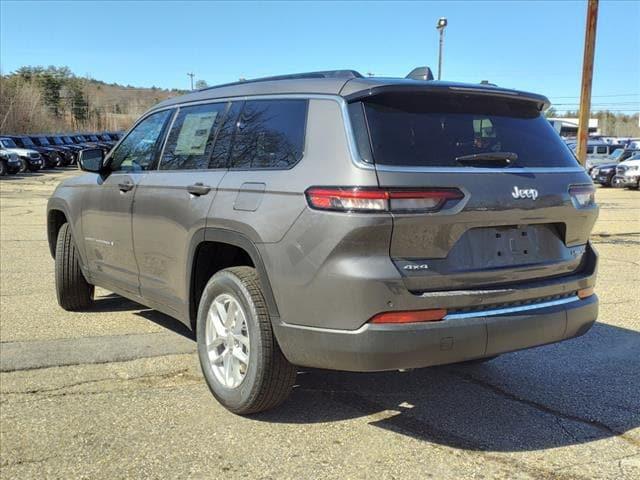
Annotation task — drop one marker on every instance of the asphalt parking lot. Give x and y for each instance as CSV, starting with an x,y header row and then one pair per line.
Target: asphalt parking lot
x,y
118,392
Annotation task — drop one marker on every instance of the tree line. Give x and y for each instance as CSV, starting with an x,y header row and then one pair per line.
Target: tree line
x,y
53,99
611,124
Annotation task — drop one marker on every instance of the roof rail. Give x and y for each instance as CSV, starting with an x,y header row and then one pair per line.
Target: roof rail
x,y
294,76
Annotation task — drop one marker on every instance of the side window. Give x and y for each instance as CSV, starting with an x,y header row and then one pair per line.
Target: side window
x,y
270,134
190,142
137,151
590,149
601,149
220,154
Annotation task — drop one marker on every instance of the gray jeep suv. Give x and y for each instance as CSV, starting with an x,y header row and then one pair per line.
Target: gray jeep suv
x,y
333,221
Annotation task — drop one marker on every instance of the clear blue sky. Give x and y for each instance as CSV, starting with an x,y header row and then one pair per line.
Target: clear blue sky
x,y
527,45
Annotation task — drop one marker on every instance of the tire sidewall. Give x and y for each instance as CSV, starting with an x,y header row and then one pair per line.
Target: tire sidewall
x,y
234,399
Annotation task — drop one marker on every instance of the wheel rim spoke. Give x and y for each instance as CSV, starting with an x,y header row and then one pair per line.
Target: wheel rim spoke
x,y
240,356
227,340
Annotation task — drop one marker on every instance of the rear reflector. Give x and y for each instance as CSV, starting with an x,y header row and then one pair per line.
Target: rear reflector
x,y
353,199
412,316
585,292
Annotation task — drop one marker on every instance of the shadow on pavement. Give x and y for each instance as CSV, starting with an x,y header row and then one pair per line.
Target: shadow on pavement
x,y
574,392
116,303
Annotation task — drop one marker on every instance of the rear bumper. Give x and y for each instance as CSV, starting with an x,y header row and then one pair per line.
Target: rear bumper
x,y
456,338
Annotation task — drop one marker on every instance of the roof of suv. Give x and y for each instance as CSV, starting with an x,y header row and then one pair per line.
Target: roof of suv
x,y
346,83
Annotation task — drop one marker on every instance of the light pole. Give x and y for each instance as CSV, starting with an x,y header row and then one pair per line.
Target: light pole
x,y
191,75
440,26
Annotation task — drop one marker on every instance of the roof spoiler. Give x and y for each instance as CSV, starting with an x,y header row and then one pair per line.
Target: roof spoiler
x,y
420,73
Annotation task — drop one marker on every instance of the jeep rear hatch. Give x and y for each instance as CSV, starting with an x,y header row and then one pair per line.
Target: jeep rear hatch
x,y
515,219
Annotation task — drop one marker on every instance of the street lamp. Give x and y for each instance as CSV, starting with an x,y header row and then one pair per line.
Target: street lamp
x,y
440,26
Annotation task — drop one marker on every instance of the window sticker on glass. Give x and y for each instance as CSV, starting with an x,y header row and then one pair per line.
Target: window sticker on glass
x,y
194,133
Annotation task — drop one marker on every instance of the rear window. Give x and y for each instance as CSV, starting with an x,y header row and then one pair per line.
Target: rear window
x,y
431,130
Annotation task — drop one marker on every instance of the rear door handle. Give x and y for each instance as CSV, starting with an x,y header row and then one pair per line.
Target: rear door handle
x,y
125,186
198,189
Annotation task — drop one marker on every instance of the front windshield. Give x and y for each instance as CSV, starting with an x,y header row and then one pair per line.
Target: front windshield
x,y
27,141
8,143
68,140
43,141
617,153
57,140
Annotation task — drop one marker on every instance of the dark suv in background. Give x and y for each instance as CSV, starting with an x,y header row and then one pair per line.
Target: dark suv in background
x,y
71,151
334,221
64,156
50,157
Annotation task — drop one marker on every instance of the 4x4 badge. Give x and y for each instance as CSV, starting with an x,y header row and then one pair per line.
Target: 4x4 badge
x,y
531,193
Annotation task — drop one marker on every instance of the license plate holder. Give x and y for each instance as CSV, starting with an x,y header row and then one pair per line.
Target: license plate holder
x,y
513,245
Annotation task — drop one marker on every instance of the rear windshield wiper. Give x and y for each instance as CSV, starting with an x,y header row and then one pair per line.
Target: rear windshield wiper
x,y
489,158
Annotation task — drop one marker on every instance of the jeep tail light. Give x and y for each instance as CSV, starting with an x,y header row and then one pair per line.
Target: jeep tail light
x,y
353,199
585,293
583,196
410,316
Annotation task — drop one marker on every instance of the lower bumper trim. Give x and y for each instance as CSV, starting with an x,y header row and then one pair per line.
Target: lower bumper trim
x,y
509,310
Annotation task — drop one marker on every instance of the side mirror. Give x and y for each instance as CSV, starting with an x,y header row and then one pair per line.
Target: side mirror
x,y
91,160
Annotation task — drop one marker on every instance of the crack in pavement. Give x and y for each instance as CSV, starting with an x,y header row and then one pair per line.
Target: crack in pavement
x,y
97,380
603,427
35,396
438,438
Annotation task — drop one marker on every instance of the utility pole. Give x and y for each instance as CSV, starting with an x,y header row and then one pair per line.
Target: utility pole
x,y
587,77
440,26
191,75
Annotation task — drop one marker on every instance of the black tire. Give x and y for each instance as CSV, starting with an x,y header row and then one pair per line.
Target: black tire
x,y
72,289
269,377
24,166
3,168
33,168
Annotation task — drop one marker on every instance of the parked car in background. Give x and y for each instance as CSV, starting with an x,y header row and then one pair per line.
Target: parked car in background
x,y
598,152
9,162
49,157
83,141
29,159
604,174
69,141
106,139
72,150
64,155
628,173
98,142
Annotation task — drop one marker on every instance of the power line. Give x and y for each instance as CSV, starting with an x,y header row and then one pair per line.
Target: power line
x,y
601,104
603,96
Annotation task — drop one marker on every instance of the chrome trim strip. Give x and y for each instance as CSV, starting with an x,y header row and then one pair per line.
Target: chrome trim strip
x,y
518,309
513,170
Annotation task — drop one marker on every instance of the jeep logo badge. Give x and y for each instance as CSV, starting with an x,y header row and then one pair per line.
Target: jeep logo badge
x,y
531,193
